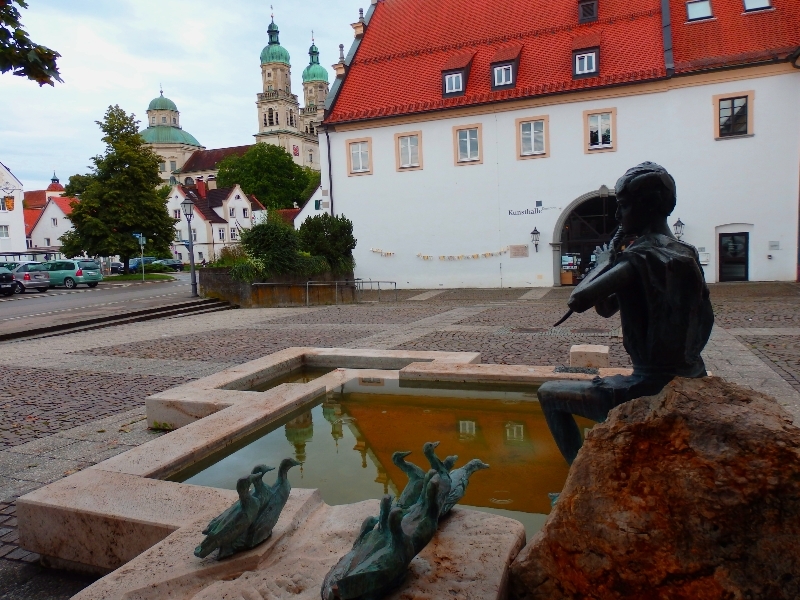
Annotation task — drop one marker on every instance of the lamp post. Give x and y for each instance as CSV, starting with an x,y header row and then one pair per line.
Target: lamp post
x,y
677,227
188,211
535,238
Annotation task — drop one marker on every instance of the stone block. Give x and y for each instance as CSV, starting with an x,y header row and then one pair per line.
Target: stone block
x,y
588,355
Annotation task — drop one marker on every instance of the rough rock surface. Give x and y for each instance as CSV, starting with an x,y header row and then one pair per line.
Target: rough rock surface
x,y
693,493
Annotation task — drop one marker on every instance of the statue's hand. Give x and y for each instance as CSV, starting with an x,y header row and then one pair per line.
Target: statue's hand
x,y
604,255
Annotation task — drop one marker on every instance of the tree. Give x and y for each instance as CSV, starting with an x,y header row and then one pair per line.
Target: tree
x,y
122,195
331,238
76,185
267,171
19,54
314,180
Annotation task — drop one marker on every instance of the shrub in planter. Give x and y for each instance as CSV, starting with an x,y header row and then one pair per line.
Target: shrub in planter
x,y
331,238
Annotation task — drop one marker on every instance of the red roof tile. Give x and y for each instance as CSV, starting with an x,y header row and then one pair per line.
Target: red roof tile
x,y
64,203
288,214
31,216
201,205
586,41
207,160
397,68
35,198
733,37
458,61
506,54
55,187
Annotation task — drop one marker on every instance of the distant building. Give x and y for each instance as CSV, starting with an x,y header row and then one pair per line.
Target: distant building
x,y
477,142
220,215
51,222
37,199
12,222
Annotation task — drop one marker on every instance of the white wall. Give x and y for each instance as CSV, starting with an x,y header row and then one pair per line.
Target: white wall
x,y
14,219
310,209
46,230
445,209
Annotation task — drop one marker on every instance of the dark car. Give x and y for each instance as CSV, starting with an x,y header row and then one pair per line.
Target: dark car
x,y
116,267
172,263
133,264
7,283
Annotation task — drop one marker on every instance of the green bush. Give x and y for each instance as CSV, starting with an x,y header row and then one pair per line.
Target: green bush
x,y
151,268
331,238
230,256
273,244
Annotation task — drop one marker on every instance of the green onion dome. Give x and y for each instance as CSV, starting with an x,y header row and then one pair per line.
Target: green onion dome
x,y
164,134
162,103
274,52
314,71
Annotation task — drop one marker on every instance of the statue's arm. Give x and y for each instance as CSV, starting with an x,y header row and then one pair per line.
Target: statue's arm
x,y
607,307
599,292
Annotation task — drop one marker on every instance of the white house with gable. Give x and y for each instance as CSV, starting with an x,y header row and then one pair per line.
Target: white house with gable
x,y
52,222
220,215
12,222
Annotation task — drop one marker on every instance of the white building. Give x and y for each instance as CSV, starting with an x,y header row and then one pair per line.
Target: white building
x,y
449,147
51,223
12,222
220,215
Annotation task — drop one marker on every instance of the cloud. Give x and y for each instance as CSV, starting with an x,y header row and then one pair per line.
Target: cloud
x,y
205,53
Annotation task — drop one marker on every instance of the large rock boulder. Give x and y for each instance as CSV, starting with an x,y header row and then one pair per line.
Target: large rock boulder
x,y
693,493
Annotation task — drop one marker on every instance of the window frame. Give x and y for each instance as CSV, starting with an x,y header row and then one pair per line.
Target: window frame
x,y
510,64
4,229
244,213
751,97
398,154
221,234
233,234
546,128
347,144
463,74
769,6
585,52
710,6
456,129
581,18
598,149
232,211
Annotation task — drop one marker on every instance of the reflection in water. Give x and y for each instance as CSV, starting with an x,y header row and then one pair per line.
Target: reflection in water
x,y
511,437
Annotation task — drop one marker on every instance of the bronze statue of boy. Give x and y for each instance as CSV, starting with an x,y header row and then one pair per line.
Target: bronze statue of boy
x,y
658,287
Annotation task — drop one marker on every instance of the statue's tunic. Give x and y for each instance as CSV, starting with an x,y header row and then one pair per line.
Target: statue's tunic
x,y
667,316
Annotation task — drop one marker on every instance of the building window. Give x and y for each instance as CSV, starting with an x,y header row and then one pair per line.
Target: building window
x,y
466,429
467,140
54,222
178,237
233,234
221,234
359,156
4,233
587,11
600,130
162,166
757,4
200,256
179,256
311,157
503,75
28,243
46,240
453,83
173,165
177,214
244,213
409,151
734,115
3,201
163,119
232,212
698,9
532,133
586,63
174,121
194,235
515,432
152,120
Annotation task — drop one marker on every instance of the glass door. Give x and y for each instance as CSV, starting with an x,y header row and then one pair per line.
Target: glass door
x,y
734,250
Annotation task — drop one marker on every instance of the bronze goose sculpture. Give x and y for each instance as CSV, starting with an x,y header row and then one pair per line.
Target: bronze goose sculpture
x,y
226,531
415,476
271,502
459,480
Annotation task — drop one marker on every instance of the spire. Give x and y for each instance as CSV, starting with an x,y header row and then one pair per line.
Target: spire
x,y
313,52
54,179
273,31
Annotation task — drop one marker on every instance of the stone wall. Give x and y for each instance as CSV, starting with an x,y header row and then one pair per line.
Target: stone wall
x,y
279,291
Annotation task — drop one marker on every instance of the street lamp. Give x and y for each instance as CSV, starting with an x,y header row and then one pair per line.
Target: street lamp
x,y
535,238
677,227
188,211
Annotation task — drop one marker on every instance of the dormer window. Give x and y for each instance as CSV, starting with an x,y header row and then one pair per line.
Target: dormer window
x,y
757,5
698,9
585,63
503,75
587,11
453,82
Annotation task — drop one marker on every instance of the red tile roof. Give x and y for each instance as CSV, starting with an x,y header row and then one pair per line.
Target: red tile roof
x,y
397,68
288,214
55,187
207,160
214,199
31,216
733,37
35,198
64,203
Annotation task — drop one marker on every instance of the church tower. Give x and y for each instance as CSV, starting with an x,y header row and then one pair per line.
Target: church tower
x,y
315,91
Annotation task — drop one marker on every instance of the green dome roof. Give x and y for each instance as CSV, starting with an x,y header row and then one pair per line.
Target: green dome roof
x,y
162,103
314,71
164,134
274,52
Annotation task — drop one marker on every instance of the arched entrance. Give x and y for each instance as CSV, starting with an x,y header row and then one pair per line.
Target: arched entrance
x,y
586,223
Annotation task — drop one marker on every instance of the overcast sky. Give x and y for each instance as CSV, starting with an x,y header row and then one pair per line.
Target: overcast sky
x,y
204,52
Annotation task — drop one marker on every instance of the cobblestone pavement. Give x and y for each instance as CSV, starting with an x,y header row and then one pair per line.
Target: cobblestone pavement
x,y
71,401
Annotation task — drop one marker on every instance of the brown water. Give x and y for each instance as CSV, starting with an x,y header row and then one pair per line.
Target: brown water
x,y
346,444
302,375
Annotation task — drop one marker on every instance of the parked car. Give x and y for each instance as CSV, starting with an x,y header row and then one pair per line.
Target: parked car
x,y
71,273
172,263
31,275
133,264
7,284
116,267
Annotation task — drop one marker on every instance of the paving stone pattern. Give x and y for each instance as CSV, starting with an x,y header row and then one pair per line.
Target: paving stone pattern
x,y
85,400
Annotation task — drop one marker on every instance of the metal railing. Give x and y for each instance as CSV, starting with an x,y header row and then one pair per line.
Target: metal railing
x,y
344,284
357,285
361,285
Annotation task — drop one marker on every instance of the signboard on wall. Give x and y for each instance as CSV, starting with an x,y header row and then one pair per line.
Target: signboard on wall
x,y
518,251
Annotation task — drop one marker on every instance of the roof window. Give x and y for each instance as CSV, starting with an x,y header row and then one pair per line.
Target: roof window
x,y
698,9
585,63
587,11
504,66
455,73
750,5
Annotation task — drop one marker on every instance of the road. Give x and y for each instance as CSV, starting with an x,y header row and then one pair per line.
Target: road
x,y
59,305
